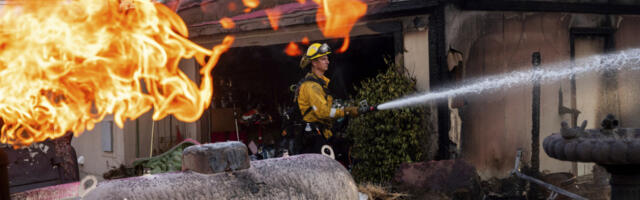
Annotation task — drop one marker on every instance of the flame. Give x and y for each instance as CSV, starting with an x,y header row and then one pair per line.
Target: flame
x,y
345,45
292,50
65,65
305,40
231,6
227,23
302,1
250,4
274,16
336,18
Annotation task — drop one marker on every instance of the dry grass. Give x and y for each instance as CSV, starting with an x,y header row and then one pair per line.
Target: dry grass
x,y
378,192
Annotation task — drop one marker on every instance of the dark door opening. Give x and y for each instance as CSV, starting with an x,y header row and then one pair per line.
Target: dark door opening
x,y
262,75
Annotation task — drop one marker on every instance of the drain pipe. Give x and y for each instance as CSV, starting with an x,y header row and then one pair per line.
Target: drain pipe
x,y
4,175
535,129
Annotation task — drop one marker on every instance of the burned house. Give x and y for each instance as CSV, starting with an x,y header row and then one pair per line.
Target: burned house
x,y
497,37
441,44
258,70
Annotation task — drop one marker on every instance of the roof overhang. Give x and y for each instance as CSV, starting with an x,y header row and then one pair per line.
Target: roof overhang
x,y
296,16
610,7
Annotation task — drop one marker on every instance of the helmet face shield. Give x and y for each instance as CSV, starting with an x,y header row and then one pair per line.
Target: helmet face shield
x,y
324,49
317,50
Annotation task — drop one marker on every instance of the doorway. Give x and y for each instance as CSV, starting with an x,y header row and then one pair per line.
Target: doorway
x,y
594,94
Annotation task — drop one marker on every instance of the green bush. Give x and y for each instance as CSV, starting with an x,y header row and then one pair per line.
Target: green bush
x,y
385,139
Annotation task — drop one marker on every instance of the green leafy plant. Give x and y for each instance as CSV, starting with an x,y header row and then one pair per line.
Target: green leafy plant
x,y
385,139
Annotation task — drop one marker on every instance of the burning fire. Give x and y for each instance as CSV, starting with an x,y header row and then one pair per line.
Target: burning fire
x,y
227,23
65,65
337,17
292,49
231,6
305,40
250,4
274,16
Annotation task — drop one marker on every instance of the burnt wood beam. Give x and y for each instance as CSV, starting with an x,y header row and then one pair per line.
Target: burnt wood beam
x,y
376,10
606,31
401,8
439,77
497,5
4,175
535,129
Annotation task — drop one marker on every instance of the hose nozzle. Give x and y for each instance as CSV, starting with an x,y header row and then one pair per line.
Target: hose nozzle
x,y
365,107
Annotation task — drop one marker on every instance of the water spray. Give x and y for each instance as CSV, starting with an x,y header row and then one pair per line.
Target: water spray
x,y
627,59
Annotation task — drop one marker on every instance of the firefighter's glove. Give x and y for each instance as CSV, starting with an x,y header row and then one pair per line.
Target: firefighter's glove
x,y
351,111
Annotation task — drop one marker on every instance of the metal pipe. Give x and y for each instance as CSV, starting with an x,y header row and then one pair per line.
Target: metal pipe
x,y
516,171
4,176
535,129
151,147
235,120
137,138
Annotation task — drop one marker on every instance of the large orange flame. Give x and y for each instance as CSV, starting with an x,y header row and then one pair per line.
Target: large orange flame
x,y
292,49
274,17
65,65
337,17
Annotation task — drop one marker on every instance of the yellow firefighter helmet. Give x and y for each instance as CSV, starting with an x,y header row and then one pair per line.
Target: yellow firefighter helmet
x,y
316,50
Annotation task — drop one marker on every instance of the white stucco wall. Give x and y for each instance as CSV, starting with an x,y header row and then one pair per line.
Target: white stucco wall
x,y
164,131
416,57
588,90
89,146
131,142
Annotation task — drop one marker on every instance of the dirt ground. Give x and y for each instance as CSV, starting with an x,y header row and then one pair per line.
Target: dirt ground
x,y
586,186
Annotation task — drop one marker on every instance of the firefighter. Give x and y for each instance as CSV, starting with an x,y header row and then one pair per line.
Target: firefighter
x,y
315,102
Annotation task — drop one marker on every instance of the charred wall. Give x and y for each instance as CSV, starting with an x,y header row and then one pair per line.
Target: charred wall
x,y
496,124
626,37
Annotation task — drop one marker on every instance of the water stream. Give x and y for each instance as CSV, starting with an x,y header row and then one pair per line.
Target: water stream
x,y
627,59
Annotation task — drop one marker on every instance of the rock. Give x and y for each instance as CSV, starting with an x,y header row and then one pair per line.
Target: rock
x,y
453,178
216,157
306,176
